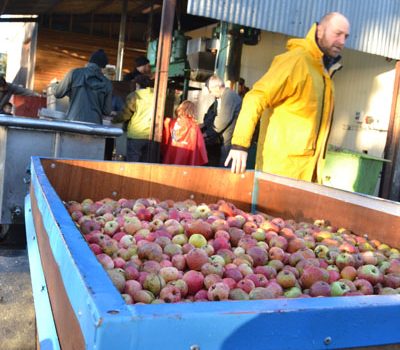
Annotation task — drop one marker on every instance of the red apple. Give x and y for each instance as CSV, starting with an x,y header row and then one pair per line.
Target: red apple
x,y
364,286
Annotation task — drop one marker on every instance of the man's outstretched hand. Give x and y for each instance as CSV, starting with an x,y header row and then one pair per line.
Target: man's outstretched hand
x,y
239,160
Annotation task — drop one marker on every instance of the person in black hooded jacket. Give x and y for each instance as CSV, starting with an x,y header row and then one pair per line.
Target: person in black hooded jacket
x,y
89,91
142,68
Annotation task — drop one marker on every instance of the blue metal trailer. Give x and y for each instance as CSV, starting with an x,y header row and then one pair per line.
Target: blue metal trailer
x,y
77,306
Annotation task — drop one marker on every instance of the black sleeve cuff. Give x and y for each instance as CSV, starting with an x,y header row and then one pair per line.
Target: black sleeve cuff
x,y
239,148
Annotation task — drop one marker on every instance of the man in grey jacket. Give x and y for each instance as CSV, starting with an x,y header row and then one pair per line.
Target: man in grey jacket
x,y
226,110
89,91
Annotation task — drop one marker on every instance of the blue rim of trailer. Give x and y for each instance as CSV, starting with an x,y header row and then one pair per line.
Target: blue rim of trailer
x,y
107,321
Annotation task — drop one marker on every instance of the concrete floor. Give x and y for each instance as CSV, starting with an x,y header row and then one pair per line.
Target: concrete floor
x,y
17,314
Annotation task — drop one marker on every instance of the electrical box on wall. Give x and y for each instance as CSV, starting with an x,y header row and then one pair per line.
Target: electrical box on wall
x,y
201,54
251,36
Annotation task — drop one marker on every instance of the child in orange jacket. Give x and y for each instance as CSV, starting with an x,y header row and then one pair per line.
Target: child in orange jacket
x,y
183,142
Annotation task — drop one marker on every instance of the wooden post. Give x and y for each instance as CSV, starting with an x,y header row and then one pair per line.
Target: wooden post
x,y
161,77
149,30
71,22
91,23
390,184
121,41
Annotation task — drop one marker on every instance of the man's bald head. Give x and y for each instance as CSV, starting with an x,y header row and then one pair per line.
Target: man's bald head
x,y
332,32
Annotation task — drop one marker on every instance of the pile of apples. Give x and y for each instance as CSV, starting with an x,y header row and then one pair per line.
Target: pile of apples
x,y
166,252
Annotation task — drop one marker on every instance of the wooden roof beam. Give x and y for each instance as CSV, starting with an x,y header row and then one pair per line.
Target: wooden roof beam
x,y
52,5
100,6
138,11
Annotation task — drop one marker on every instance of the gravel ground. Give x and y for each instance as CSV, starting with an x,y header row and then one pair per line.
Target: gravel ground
x,y
17,315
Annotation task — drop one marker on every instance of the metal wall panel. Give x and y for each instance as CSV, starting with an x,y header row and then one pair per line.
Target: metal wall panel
x,y
364,87
375,25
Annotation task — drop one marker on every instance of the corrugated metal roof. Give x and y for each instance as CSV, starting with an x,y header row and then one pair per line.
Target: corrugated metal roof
x,y
375,24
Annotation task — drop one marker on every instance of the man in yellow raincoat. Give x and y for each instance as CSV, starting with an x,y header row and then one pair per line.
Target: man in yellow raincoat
x,y
297,94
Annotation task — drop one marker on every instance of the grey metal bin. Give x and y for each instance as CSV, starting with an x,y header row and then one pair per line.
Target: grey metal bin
x,y
21,138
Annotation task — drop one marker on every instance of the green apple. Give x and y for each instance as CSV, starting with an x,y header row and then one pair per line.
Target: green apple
x,y
339,288
292,292
259,234
198,240
180,239
217,259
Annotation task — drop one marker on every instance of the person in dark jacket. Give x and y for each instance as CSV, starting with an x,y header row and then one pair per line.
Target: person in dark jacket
x,y
219,127
9,89
142,68
89,91
242,88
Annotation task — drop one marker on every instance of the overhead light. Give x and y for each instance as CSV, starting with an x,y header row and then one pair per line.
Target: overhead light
x,y
150,8
19,16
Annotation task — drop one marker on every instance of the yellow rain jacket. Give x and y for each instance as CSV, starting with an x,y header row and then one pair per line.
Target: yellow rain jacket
x,y
138,110
297,94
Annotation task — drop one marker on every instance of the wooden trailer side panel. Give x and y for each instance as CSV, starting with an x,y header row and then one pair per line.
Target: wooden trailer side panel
x,y
68,330
291,199
77,180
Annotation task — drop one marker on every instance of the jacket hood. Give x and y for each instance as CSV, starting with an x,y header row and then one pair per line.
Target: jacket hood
x,y
92,69
146,92
308,43
92,76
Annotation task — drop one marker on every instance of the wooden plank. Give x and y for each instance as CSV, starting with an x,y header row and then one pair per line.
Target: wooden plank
x,y
45,328
67,325
58,52
390,184
161,76
80,179
294,200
